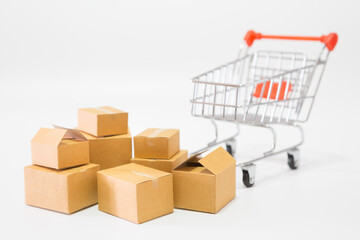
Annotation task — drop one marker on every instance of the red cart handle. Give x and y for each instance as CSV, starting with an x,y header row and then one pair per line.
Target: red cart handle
x,y
329,40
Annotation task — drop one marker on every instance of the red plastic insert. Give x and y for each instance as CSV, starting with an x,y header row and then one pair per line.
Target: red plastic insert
x,y
274,90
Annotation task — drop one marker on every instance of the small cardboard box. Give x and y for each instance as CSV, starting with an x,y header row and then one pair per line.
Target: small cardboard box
x,y
205,184
166,165
157,143
65,191
135,192
111,151
103,121
59,148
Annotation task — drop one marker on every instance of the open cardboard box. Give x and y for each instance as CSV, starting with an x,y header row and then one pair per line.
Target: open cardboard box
x,y
207,183
59,148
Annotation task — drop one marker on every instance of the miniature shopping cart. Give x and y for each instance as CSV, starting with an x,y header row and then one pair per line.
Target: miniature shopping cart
x,y
262,88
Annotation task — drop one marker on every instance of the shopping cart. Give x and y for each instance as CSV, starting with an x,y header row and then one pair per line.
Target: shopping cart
x,y
261,89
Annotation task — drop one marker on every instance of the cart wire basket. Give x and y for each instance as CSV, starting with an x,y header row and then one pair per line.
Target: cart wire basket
x,y
262,88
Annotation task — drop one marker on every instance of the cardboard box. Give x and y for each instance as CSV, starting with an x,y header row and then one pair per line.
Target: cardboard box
x,y
59,148
110,151
135,192
157,143
65,191
205,184
166,165
103,121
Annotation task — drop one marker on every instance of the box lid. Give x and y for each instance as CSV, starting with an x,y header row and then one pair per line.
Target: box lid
x,y
195,157
157,132
52,136
217,160
134,173
102,110
65,172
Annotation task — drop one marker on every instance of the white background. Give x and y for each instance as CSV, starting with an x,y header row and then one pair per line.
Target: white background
x,y
57,56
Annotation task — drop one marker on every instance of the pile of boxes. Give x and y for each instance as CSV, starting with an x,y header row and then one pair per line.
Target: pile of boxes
x,y
159,148
61,178
109,137
74,169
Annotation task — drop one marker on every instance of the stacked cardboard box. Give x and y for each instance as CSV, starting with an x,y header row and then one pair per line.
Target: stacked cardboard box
x,y
140,193
106,128
61,178
159,148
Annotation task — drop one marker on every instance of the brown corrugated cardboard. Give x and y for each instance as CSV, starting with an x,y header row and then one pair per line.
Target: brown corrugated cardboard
x,y
111,151
59,148
157,143
135,192
205,184
103,121
65,191
166,165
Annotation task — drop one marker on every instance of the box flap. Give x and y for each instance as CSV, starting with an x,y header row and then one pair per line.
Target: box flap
x,y
49,136
192,159
72,134
195,157
195,169
157,132
217,160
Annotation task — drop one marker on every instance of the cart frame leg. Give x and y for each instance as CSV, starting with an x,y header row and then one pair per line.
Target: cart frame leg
x,y
272,151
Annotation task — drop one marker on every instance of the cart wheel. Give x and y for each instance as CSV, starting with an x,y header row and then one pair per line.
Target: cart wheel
x,y
249,175
231,147
293,158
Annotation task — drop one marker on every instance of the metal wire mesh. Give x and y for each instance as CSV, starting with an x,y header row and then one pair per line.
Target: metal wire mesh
x,y
259,88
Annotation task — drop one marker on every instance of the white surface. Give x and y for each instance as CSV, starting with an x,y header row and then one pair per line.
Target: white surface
x,y
57,56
